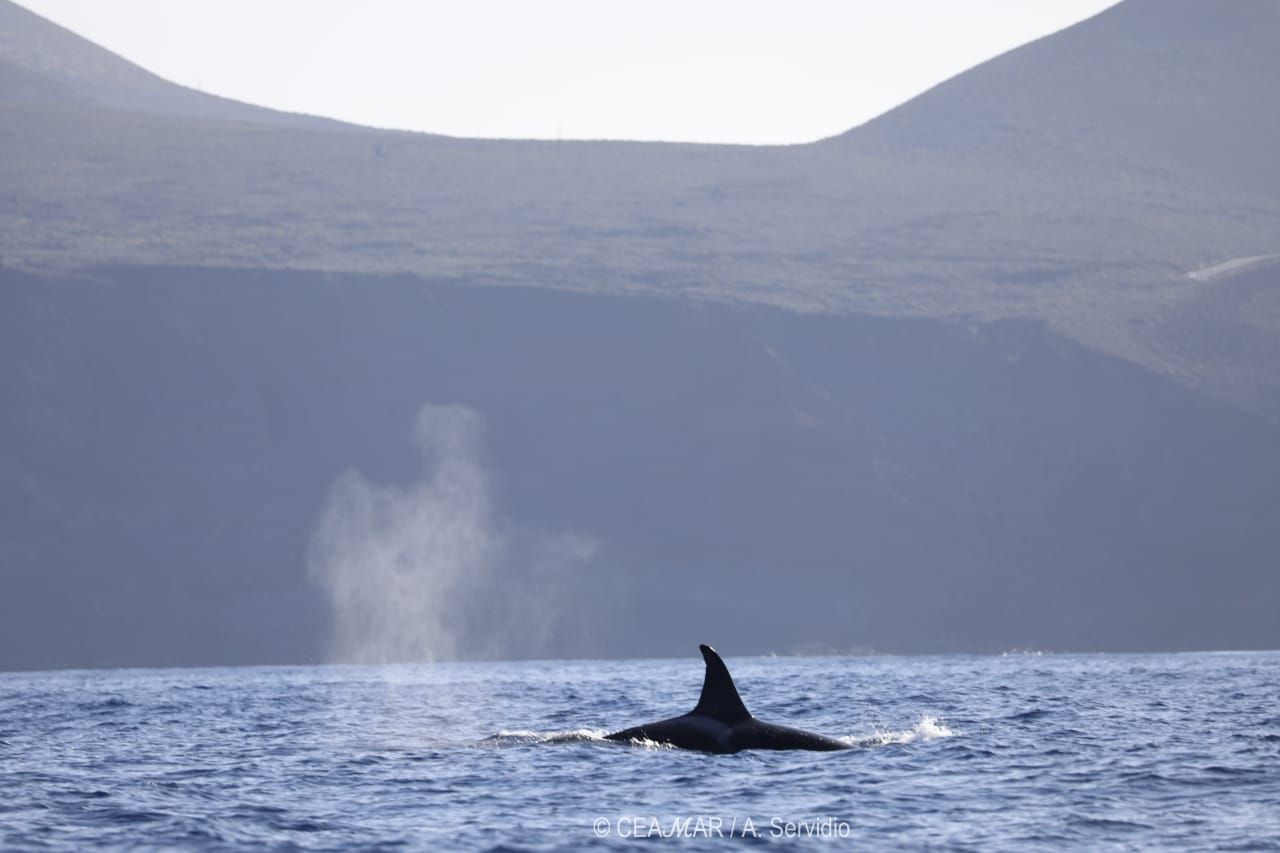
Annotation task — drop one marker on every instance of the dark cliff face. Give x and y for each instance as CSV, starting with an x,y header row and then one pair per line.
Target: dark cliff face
x,y
783,481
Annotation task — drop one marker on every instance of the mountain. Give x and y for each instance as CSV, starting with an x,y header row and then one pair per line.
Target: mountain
x,y
1148,89
1112,159
1075,181
42,63
995,370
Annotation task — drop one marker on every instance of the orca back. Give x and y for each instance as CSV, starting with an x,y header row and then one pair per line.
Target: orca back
x,y
721,722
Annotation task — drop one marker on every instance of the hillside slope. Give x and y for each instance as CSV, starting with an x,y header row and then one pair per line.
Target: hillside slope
x,y
53,64
1075,181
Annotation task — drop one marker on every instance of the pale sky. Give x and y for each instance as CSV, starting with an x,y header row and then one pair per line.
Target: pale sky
x,y
739,71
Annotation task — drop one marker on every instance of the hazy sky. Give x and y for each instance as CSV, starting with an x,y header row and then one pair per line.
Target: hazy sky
x,y
707,71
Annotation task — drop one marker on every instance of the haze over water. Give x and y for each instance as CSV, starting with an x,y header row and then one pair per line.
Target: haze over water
x,y
1022,751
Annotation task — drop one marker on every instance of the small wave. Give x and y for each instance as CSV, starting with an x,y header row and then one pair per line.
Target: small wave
x,y
1030,714
1095,822
127,816
104,704
927,729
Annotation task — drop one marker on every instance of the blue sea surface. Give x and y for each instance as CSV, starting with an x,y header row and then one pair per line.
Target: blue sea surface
x,y
1019,752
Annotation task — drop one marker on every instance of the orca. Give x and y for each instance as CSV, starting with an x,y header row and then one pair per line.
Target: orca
x,y
721,723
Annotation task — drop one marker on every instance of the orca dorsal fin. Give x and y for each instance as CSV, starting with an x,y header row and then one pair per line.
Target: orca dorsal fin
x,y
719,699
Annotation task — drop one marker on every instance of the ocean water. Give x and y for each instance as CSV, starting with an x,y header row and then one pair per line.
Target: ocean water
x,y
1019,752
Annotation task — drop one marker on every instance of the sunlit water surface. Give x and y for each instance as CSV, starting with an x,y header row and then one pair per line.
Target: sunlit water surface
x,y
1019,752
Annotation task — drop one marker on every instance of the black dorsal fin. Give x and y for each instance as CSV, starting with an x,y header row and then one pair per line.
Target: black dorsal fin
x,y
720,698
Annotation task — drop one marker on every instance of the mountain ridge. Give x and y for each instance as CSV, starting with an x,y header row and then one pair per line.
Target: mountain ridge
x,y
38,47
1142,63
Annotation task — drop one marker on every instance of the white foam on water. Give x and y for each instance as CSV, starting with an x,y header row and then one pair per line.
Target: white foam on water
x,y
645,743
927,729
515,737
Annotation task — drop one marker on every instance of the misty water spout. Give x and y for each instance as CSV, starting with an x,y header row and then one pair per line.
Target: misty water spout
x,y
428,572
